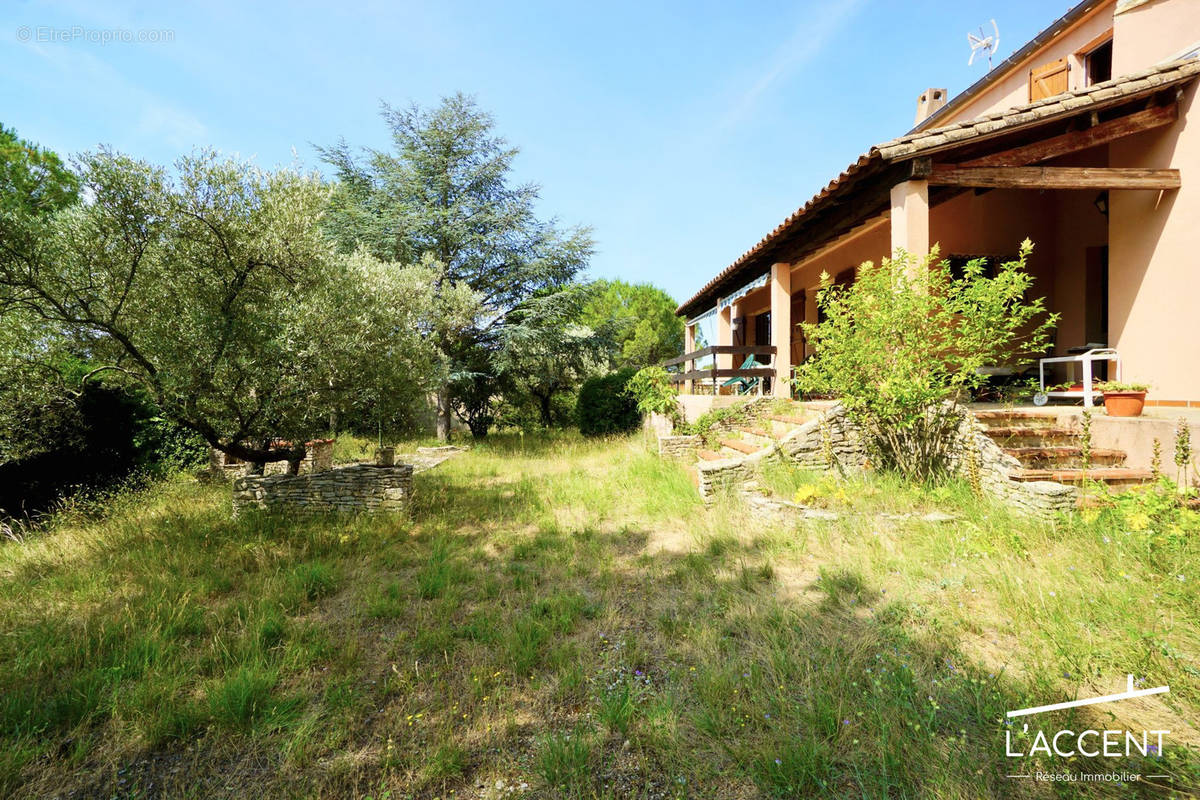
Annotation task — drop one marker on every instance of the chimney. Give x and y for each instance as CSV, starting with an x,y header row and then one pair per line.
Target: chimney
x,y
929,101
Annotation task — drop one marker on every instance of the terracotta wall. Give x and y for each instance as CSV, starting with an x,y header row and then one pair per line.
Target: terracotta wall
x,y
1154,257
1152,32
1155,239
1012,88
871,245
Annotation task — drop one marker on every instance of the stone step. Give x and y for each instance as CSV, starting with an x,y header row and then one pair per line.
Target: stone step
x,y
709,455
1026,418
754,431
739,446
1064,457
789,419
1025,432
1113,476
755,435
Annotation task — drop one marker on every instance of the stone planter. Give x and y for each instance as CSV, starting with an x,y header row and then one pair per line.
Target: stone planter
x,y
1124,404
385,456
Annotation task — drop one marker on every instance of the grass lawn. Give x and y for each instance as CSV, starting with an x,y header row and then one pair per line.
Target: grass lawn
x,y
563,617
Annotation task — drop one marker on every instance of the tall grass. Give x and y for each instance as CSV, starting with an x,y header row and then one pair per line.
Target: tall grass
x,y
566,614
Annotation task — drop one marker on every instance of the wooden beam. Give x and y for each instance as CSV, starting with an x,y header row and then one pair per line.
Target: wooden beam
x,y
1054,177
1074,141
718,374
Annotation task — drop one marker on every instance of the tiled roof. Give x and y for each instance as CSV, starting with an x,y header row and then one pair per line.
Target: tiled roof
x,y
1099,94
912,145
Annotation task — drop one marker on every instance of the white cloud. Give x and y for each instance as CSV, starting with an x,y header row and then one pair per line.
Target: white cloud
x,y
809,38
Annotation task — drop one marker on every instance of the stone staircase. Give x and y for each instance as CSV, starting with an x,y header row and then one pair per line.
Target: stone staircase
x,y
1048,447
761,434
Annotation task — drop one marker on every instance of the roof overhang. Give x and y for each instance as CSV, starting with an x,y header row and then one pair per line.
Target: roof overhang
x,y
862,190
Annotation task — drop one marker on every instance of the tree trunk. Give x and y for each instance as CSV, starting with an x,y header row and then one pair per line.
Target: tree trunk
x,y
443,414
544,407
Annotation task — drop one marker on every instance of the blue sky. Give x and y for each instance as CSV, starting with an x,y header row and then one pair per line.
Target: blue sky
x,y
682,133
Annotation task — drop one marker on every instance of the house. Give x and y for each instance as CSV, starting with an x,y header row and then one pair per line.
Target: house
x,y
1079,141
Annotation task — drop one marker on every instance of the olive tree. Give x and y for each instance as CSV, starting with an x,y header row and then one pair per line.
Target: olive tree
x,y
908,338
216,290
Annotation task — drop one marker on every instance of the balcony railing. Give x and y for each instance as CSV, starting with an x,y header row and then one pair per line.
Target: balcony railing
x,y
688,371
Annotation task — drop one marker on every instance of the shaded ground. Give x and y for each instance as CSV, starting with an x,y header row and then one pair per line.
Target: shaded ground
x,y
565,619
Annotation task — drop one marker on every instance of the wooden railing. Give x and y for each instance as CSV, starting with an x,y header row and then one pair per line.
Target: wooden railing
x,y
716,376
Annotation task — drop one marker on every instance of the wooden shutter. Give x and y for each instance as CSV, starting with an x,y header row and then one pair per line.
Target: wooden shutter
x,y
1048,80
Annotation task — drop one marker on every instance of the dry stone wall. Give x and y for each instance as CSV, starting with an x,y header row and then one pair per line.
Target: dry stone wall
x,y
823,443
682,447
1041,499
361,487
833,441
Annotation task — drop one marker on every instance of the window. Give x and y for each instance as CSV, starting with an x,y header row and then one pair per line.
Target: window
x,y
1098,63
1048,79
958,265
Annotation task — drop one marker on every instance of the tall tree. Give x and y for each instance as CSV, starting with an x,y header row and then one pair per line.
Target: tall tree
x,y
445,190
546,351
37,410
33,180
639,318
219,294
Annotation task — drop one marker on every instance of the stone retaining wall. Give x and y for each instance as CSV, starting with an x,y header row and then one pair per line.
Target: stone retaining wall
x,y
809,446
361,487
683,447
1042,499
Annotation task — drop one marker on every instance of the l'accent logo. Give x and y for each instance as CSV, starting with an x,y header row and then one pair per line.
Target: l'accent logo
x,y
1129,694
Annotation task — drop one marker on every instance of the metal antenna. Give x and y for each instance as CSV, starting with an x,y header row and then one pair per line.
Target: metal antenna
x,y
982,43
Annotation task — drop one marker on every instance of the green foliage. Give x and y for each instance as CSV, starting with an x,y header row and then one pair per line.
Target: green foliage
x,y
708,421
206,646
605,407
564,761
545,352
224,302
640,320
1158,512
1122,386
446,192
651,387
33,181
907,337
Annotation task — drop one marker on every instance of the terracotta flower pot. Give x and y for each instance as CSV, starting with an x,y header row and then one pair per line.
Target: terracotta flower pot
x,y
1124,404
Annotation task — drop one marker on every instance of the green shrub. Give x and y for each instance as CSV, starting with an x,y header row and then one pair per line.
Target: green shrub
x,y
605,407
651,387
909,335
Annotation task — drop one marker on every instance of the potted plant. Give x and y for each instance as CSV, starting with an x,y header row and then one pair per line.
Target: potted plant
x,y
1122,398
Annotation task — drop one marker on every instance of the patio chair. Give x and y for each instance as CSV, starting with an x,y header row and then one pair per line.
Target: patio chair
x,y
745,385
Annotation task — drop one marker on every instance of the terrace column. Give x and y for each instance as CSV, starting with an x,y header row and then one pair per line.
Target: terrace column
x,y
689,344
781,328
725,336
910,217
